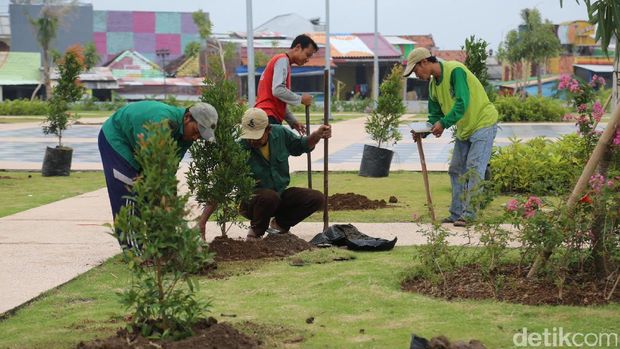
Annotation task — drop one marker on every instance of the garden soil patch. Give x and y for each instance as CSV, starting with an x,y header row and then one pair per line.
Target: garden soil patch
x,y
271,246
208,335
470,283
352,201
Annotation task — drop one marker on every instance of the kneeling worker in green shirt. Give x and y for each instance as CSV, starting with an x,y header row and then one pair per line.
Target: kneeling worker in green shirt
x,y
269,147
456,97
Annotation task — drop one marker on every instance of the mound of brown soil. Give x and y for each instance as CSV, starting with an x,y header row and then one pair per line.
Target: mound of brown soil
x,y
352,201
270,246
208,335
470,283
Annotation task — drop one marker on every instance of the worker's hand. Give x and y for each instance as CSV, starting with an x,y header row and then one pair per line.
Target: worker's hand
x,y
414,135
299,127
437,129
324,131
204,217
306,99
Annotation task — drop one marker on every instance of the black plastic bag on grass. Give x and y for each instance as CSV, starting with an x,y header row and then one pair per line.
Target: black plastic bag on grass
x,y
348,235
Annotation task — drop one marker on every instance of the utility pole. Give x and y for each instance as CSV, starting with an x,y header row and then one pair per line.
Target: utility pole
x,y
163,52
375,76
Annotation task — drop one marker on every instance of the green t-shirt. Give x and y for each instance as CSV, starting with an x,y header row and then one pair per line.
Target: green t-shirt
x,y
274,173
122,128
458,97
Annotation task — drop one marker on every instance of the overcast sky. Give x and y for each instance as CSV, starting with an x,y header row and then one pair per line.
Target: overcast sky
x,y
450,21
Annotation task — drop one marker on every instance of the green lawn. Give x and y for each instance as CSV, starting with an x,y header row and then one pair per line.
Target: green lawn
x,y
408,187
355,304
20,119
318,118
6,119
25,190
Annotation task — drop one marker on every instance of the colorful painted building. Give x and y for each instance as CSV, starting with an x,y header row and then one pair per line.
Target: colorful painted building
x,y
143,32
112,31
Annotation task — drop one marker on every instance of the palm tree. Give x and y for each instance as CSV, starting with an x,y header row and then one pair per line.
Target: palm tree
x,y
46,28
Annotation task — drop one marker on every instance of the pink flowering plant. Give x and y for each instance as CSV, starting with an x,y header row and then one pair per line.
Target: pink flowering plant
x,y
536,223
571,235
582,96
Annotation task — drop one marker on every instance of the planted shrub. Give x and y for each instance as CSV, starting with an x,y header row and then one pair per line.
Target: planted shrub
x,y
382,123
67,91
534,108
219,173
166,251
538,166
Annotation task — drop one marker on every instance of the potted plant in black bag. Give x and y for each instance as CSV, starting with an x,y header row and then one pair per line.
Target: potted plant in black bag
x,y
57,160
382,126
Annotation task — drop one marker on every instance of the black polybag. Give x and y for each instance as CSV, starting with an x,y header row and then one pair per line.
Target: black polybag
x,y
348,235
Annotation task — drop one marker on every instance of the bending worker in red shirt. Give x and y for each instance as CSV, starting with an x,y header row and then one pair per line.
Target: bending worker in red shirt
x,y
274,88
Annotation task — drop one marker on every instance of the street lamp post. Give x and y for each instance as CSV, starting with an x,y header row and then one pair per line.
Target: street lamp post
x,y
163,53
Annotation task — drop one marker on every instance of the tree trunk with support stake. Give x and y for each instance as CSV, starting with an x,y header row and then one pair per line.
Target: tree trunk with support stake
x,y
599,152
598,224
615,81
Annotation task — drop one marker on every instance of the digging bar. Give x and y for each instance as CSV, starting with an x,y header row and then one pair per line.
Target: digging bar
x,y
326,148
308,153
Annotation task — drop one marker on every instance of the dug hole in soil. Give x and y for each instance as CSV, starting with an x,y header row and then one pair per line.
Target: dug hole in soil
x,y
469,283
208,334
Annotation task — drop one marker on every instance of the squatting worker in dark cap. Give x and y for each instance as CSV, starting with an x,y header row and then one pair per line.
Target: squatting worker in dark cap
x,y
120,133
270,147
457,98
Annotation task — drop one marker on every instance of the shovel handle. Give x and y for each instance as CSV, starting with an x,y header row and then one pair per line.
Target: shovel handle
x,y
429,200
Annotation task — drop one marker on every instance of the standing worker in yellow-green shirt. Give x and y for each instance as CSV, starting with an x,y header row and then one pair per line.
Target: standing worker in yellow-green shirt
x,y
456,97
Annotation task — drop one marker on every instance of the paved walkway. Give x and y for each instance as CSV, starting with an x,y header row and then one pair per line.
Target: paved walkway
x,y
22,146
47,246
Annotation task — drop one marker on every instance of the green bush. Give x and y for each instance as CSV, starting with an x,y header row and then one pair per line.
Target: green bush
x,y
67,91
93,104
539,166
23,107
358,105
219,173
535,108
382,123
167,251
